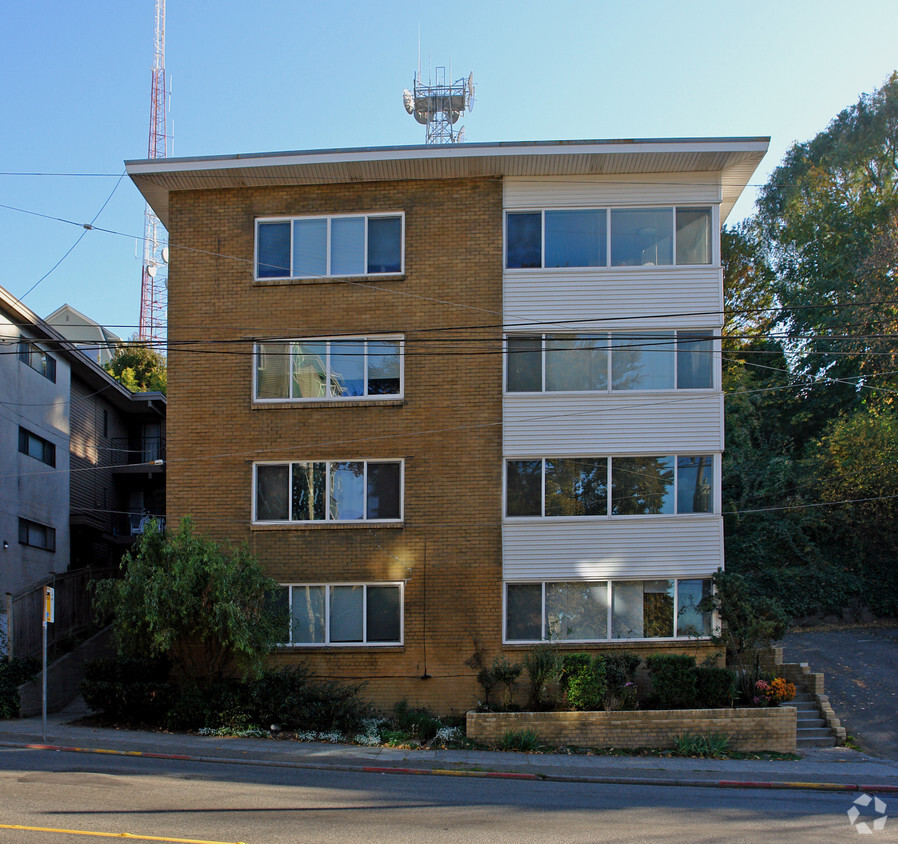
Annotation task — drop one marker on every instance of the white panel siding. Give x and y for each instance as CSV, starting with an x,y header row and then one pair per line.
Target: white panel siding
x,y
673,297
574,424
622,549
599,191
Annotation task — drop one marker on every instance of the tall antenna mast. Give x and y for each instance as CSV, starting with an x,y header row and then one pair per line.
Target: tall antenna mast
x,y
439,105
153,297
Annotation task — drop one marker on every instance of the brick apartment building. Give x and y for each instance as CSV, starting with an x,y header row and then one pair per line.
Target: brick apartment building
x,y
457,399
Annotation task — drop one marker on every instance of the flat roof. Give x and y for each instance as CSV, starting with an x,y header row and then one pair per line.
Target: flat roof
x,y
735,159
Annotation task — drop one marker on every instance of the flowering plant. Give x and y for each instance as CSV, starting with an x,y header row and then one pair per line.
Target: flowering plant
x,y
777,690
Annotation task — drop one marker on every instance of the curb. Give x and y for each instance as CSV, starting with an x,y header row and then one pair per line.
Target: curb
x,y
482,774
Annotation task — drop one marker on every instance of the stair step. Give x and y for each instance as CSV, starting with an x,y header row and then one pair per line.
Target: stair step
x,y
821,741
807,723
812,732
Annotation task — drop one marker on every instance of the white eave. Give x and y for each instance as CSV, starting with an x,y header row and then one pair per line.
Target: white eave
x,y
734,158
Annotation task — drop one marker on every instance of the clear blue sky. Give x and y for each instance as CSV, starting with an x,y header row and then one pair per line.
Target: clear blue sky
x,y
306,74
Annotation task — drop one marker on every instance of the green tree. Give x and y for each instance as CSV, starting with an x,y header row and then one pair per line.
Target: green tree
x,y
183,596
138,368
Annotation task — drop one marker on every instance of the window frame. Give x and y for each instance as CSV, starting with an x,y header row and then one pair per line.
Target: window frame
x,y
714,209
327,643
607,337
29,350
609,515
49,533
365,338
327,520
713,622
366,215
47,447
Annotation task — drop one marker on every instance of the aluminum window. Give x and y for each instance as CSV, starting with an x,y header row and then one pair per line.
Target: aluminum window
x,y
328,491
343,613
604,610
39,360
328,369
37,535
321,247
36,447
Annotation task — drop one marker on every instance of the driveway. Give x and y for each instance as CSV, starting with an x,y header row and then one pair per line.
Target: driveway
x,y
861,668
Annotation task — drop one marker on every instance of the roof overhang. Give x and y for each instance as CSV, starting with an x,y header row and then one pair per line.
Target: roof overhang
x,y
735,159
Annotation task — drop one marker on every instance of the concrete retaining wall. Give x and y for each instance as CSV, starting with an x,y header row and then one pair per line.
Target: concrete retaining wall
x,y
749,729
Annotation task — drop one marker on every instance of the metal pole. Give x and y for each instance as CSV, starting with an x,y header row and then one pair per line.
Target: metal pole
x,y
44,681
9,630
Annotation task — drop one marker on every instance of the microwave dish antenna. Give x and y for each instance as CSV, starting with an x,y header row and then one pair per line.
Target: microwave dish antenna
x,y
439,105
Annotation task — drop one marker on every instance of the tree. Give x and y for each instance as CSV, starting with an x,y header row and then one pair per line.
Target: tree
x,y
184,597
138,368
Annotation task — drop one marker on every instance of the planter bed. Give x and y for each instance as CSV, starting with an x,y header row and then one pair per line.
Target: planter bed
x,y
749,730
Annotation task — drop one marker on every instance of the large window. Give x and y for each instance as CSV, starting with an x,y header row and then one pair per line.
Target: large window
x,y
343,614
315,247
616,361
37,359
601,237
600,610
37,535
328,369
36,447
328,491
639,486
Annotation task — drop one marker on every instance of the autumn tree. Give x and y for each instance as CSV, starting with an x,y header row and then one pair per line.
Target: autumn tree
x,y
138,368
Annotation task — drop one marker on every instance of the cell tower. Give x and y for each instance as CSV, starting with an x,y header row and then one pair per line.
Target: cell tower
x,y
153,297
439,105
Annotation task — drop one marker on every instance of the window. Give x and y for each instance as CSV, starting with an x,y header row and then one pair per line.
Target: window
x,y
599,610
343,614
588,237
328,491
640,486
37,359
315,247
37,447
37,535
326,370
599,361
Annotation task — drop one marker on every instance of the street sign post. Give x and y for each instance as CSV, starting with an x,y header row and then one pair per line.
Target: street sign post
x,y
49,616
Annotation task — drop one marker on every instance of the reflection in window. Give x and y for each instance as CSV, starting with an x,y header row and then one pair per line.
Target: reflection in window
x,y
641,236
307,615
577,611
328,369
523,611
576,486
695,484
524,481
642,609
576,238
525,367
643,361
691,622
642,486
523,239
576,362
693,235
695,360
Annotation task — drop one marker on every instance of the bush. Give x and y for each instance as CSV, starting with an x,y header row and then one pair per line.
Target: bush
x,y
674,682
506,673
523,740
620,671
541,664
583,680
133,691
418,723
12,674
715,687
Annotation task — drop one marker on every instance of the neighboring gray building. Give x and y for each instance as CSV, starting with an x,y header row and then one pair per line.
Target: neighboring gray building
x,y
81,458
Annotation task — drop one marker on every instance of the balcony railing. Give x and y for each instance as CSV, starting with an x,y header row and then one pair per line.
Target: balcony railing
x,y
127,451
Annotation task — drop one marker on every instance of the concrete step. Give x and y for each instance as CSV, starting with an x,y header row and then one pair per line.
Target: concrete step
x,y
821,741
807,723
813,732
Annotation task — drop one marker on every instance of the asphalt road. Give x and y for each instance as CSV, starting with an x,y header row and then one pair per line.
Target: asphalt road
x,y
861,678
244,803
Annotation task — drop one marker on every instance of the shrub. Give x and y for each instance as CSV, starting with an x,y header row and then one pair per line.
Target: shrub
x,y
418,723
710,746
620,670
674,682
715,687
506,673
515,740
128,690
541,664
12,674
584,681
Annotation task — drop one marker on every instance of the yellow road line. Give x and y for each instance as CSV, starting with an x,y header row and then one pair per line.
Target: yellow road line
x,y
126,835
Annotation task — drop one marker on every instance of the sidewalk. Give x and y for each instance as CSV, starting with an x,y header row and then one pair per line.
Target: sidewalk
x,y
820,768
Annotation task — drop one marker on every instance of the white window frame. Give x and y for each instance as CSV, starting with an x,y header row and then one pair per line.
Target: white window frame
x,y
715,492
327,520
609,337
610,611
366,215
715,240
366,338
327,643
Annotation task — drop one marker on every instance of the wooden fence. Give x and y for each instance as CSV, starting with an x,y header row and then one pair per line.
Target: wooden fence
x,y
73,611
